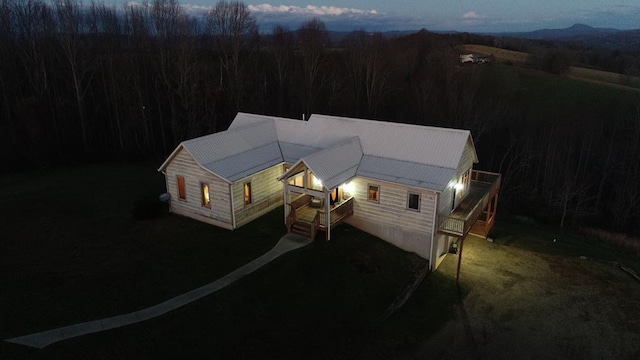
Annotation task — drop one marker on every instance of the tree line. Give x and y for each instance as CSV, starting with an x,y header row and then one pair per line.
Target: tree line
x,y
91,82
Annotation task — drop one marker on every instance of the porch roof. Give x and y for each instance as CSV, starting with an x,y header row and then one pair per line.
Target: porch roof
x,y
334,165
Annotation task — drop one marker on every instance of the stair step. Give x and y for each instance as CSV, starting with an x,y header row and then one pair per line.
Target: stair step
x,y
301,226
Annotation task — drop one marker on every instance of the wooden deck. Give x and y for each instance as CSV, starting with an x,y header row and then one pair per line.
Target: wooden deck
x,y
476,212
314,218
339,212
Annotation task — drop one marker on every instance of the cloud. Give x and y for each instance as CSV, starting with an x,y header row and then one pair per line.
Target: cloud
x,y
471,15
310,10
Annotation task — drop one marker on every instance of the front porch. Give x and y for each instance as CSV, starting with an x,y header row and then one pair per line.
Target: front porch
x,y
475,214
307,215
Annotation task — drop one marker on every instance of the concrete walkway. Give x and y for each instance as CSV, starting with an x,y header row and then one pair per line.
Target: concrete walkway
x,y
40,340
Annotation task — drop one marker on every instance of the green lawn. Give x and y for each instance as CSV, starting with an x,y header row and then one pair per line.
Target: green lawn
x,y
71,251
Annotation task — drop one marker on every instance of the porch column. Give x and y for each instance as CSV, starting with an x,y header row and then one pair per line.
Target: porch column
x,y
327,213
287,201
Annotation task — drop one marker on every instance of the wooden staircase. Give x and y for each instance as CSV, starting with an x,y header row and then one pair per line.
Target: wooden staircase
x,y
302,228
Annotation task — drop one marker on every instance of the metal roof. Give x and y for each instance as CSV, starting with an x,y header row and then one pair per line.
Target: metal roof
x,y
407,173
334,148
238,166
337,164
414,143
235,153
294,152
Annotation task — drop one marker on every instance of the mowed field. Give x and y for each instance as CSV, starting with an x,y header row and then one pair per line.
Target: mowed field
x,y
580,73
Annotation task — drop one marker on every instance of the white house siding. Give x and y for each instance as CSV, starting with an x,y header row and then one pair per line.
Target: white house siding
x,y
466,163
266,194
443,242
390,219
220,212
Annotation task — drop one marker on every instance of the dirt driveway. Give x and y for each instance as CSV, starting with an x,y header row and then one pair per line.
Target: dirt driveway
x,y
526,305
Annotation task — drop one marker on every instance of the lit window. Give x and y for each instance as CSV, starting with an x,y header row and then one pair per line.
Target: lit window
x,y
206,201
413,201
374,193
297,179
247,193
182,190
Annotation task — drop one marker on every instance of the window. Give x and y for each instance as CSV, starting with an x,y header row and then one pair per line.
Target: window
x,y
206,201
413,201
297,179
374,193
247,193
182,190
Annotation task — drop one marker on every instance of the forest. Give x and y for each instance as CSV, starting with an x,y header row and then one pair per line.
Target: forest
x,y
88,82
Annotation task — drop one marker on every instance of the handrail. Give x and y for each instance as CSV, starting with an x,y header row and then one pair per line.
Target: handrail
x,y
338,212
291,219
315,225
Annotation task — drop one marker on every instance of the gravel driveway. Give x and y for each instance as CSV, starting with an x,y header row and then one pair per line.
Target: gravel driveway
x,y
526,305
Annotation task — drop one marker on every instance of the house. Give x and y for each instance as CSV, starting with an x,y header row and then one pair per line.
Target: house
x,y
467,59
413,186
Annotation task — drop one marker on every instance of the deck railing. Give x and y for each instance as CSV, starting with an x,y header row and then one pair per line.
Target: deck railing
x,y
460,225
338,213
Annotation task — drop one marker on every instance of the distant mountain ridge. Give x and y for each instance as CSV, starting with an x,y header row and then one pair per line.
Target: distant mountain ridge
x,y
607,37
576,30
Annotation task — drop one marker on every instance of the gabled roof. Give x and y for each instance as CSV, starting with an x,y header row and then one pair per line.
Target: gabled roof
x,y
426,145
334,148
334,165
235,153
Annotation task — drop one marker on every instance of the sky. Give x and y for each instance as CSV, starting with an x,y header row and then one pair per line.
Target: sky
x,y
442,15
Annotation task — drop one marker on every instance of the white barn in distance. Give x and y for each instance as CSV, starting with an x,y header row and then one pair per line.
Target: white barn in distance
x,y
413,186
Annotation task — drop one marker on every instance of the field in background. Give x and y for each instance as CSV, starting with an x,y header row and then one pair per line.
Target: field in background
x,y
580,73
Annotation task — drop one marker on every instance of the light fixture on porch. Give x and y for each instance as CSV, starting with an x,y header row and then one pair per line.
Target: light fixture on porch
x,y
348,188
458,186
316,182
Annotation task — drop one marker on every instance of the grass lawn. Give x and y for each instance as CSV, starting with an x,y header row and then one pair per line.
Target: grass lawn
x,y
540,239
71,251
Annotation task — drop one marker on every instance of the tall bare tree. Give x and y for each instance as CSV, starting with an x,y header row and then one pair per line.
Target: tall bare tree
x,y
313,41
282,51
235,33
70,21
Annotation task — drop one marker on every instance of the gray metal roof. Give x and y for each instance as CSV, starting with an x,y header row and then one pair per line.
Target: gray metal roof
x,y
294,152
218,146
414,143
238,166
335,148
235,153
405,172
337,164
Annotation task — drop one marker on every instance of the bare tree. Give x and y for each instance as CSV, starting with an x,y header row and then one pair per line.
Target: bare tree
x,y
235,32
70,20
282,51
369,69
313,42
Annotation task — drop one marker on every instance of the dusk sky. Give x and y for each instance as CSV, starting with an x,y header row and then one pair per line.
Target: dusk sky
x,y
455,15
